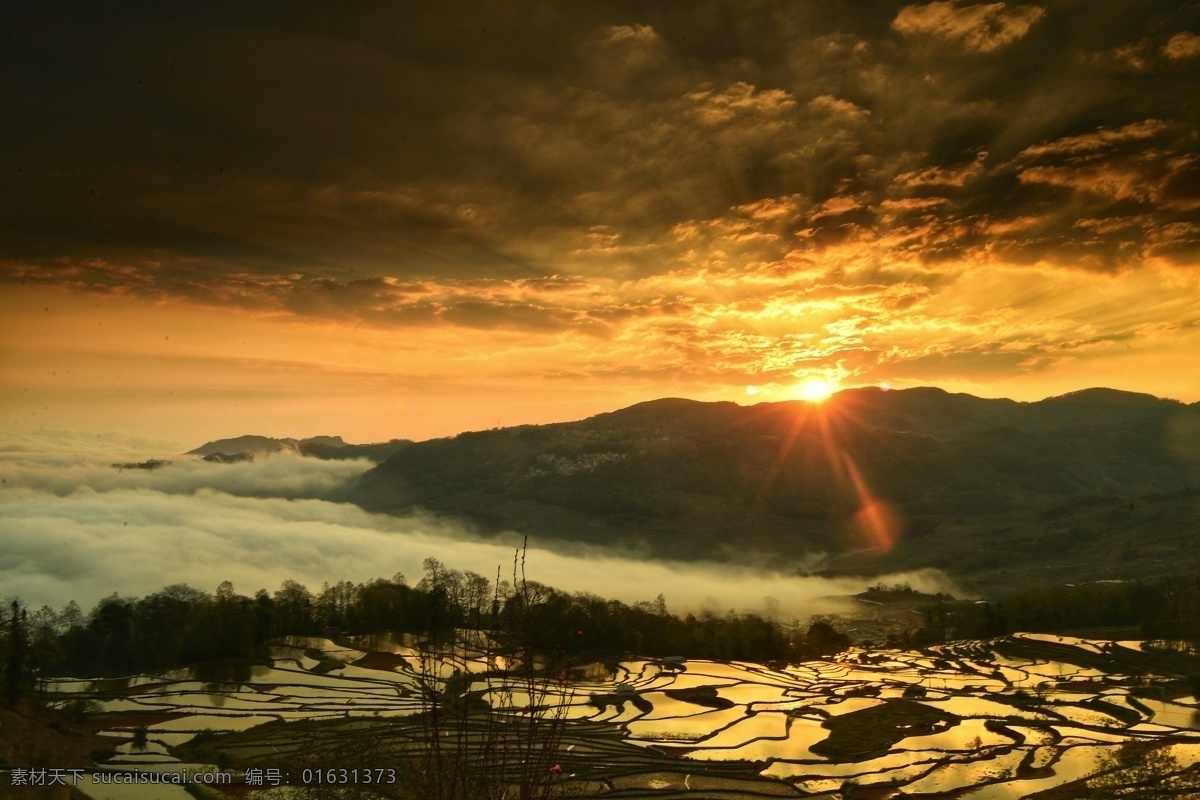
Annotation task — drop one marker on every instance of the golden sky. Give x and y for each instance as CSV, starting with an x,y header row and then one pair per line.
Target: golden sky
x,y
408,221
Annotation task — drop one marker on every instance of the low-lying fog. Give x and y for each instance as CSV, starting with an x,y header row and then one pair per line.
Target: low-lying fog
x,y
76,528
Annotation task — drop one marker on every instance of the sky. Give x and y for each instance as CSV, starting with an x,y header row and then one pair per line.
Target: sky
x,y
408,219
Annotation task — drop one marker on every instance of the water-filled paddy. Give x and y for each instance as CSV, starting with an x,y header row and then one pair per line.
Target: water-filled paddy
x,y
999,720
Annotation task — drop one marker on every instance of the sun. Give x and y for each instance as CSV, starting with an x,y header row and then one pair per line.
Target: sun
x,y
816,390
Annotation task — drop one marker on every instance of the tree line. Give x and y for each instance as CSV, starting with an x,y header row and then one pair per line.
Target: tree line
x,y
1165,610
181,624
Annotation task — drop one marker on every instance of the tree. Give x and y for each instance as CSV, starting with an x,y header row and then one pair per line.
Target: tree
x,y
111,625
1133,771
335,603
293,609
71,617
823,639
45,652
16,653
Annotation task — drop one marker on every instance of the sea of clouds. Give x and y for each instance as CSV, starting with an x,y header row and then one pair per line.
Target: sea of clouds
x,y
76,528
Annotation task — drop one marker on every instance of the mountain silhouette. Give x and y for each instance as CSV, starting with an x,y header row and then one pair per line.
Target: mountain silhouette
x,y
941,472
246,448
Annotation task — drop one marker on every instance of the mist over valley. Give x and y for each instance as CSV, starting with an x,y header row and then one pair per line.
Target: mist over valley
x,y
80,528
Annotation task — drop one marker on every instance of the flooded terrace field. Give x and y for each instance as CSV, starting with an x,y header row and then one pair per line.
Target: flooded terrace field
x,y
1024,716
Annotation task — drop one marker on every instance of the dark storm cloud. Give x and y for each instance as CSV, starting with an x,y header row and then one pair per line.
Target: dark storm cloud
x,y
293,158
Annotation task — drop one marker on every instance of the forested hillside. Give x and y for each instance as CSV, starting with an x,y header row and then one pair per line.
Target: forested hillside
x,y
685,479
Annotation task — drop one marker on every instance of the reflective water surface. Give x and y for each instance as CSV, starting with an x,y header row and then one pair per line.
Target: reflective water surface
x,y
1001,719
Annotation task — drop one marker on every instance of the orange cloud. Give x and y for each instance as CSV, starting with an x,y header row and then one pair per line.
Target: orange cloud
x,y
984,27
956,175
830,106
1182,46
1120,182
1139,162
740,100
1100,139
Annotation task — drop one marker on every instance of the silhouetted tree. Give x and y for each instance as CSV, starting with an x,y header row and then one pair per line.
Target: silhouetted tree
x,y
16,678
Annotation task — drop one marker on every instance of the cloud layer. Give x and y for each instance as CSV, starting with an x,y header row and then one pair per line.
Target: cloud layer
x,y
84,535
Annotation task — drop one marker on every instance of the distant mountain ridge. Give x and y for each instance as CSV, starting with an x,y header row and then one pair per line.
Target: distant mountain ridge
x,y
687,479
247,448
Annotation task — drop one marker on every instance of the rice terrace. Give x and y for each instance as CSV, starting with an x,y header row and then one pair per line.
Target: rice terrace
x,y
1028,715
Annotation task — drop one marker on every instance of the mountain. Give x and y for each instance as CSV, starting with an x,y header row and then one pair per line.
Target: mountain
x,y
968,484
251,446
246,448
